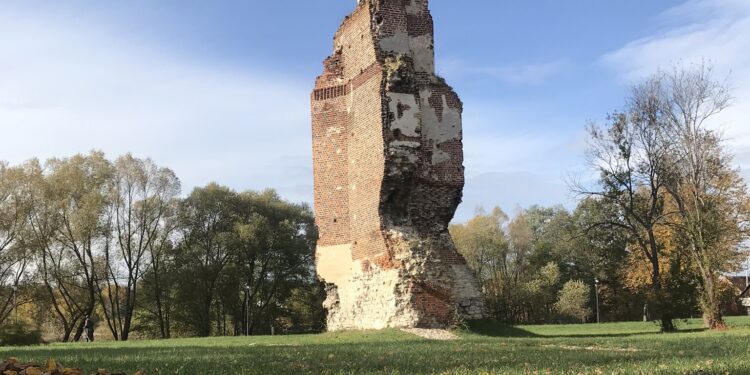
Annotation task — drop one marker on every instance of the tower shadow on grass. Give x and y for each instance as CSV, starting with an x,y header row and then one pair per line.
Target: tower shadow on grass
x,y
491,328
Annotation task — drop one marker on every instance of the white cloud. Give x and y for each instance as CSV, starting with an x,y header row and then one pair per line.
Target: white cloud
x,y
510,190
515,74
67,88
502,138
530,74
532,151
512,161
715,30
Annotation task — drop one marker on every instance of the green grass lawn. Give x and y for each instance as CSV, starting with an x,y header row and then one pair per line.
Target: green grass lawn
x,y
618,348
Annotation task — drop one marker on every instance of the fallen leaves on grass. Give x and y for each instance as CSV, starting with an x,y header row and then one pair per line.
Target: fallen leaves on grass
x,y
13,367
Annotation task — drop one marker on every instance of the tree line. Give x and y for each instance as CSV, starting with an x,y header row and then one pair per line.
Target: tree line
x,y
112,241
665,218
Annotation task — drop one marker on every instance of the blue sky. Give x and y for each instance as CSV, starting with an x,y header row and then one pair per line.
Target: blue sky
x,y
219,90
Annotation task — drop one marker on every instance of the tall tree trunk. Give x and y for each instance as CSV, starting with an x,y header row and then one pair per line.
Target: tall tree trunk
x,y
205,324
712,316
167,319
129,307
67,331
159,309
660,300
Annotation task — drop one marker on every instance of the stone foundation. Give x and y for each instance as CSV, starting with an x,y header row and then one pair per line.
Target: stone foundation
x,y
411,289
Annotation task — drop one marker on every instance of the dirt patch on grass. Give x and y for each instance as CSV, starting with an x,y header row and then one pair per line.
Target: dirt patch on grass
x,y
593,348
432,334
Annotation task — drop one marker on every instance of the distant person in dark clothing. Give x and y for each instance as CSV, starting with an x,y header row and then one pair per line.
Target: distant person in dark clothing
x,y
88,328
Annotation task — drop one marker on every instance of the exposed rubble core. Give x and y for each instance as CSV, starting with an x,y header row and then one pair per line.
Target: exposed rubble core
x,y
389,175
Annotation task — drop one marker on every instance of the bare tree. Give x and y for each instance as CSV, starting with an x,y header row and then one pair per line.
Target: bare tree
x,y
710,195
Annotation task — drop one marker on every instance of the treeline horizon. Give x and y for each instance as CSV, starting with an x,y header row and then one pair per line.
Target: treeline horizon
x,y
667,218
115,242
112,241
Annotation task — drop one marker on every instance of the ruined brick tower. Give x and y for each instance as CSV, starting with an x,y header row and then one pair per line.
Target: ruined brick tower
x,y
389,175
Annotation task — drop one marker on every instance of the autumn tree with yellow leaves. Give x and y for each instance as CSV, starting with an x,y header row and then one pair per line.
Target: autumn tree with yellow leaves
x,y
671,178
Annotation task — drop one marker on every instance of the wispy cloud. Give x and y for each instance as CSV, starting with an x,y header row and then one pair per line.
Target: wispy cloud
x,y
510,190
67,88
512,161
714,30
502,136
514,74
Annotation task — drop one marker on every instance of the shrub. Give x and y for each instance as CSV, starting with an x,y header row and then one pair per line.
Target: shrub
x,y
573,299
19,335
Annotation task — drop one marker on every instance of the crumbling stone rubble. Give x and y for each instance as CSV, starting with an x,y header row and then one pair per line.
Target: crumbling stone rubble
x,y
389,175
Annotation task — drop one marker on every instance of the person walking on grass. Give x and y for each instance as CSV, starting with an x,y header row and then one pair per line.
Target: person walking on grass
x,y
88,328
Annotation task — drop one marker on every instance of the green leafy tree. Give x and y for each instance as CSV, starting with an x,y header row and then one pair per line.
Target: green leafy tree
x,y
244,262
628,154
602,252
141,206
500,251
573,301
67,226
275,256
482,241
207,219
14,257
155,309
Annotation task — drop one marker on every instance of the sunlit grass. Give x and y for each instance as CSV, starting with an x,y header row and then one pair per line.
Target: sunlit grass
x,y
622,348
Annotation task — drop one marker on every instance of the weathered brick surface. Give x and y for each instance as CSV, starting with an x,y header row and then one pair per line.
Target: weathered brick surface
x,y
388,163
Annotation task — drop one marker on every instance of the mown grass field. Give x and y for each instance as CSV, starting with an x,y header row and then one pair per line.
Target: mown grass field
x,y
618,348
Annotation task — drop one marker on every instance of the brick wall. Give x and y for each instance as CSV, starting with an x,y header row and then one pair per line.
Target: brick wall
x,y
389,175
331,128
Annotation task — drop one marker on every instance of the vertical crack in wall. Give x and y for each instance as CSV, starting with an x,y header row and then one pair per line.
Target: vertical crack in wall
x,y
389,175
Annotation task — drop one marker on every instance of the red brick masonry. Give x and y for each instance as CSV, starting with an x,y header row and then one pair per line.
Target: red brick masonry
x,y
389,175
